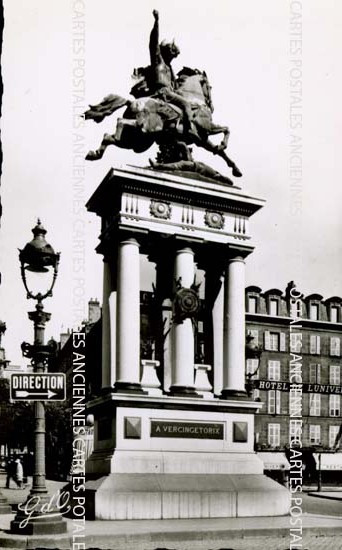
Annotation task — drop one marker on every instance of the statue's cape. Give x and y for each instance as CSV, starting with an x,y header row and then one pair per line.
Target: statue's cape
x,y
107,107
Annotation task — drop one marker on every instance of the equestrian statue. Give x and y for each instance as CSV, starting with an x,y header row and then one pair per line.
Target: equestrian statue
x,y
173,111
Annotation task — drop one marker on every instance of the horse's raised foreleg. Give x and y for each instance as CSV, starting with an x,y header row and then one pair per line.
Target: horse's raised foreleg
x,y
214,130
206,127
98,154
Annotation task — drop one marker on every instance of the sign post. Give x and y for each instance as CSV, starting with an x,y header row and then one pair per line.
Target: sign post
x,y
38,387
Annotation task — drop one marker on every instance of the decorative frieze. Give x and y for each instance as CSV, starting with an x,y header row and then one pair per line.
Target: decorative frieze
x,y
188,214
240,225
131,204
151,212
160,209
214,219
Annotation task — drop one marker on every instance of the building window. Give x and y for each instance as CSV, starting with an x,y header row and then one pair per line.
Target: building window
x,y
315,434
256,394
273,436
252,304
273,402
274,370
282,341
271,341
314,374
315,405
334,311
274,307
334,405
333,433
252,366
334,375
255,334
275,341
314,312
296,342
335,346
315,344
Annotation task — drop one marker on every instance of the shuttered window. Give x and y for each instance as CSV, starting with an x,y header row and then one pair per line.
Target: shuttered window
x,y
315,344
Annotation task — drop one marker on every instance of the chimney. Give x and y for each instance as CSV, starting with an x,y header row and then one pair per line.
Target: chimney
x,y
64,337
94,311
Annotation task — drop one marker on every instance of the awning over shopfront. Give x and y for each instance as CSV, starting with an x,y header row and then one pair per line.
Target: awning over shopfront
x,y
329,461
274,461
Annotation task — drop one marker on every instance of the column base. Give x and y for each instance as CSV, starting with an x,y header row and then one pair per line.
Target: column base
x,y
106,389
52,527
184,391
233,394
128,387
5,508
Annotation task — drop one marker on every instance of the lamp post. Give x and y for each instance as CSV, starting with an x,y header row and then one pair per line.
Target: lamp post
x,y
38,257
5,508
253,351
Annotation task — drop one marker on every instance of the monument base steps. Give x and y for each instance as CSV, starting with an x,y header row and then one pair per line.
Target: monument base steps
x,y
184,496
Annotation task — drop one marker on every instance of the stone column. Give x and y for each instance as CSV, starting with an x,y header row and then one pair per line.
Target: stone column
x,y
234,330
128,318
163,319
112,323
213,321
218,315
108,335
183,346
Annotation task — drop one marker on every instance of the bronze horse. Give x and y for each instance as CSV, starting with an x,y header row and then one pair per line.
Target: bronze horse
x,y
149,120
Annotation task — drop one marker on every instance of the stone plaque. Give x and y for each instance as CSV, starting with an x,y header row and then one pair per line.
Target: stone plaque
x,y
132,427
240,432
189,430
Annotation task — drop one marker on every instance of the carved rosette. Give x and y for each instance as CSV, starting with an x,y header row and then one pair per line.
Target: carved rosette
x,y
160,209
214,219
187,304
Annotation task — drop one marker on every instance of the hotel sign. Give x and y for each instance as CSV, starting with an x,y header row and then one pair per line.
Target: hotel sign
x,y
306,388
189,430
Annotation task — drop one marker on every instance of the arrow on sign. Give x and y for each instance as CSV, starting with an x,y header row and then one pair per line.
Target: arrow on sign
x,y
24,393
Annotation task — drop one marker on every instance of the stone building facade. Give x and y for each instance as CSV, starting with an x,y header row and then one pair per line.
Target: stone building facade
x,y
314,344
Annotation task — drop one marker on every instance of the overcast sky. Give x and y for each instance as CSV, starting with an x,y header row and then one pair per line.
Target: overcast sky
x,y
259,79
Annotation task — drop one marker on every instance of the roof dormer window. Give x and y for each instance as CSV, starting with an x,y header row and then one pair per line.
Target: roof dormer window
x,y
334,311
314,312
274,307
252,304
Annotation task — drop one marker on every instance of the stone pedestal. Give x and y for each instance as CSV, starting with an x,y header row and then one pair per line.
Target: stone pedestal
x,y
176,443
5,508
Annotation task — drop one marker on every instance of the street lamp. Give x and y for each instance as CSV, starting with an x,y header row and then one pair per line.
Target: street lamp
x,y
253,351
38,258
5,508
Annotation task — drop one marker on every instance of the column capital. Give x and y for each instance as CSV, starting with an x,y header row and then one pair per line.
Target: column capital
x,y
237,258
181,249
129,240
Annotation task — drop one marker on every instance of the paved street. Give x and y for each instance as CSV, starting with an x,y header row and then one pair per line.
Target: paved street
x,y
322,514
322,506
256,543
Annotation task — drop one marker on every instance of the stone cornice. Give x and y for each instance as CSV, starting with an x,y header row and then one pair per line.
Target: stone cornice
x,y
160,185
177,403
285,321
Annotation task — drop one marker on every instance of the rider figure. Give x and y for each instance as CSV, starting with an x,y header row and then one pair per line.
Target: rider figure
x,y
162,77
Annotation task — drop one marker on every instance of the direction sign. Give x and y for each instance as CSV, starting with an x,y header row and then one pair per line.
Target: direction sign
x,y
32,386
